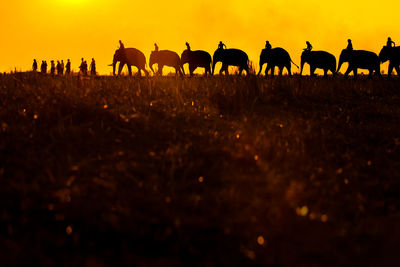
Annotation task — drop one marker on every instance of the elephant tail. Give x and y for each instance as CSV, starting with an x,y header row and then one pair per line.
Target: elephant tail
x,y
294,64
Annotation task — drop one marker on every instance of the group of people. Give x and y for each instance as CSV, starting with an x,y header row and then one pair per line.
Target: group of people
x,y
59,68
84,67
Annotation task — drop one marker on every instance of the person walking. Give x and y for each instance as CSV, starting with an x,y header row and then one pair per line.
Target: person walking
x,y
68,67
34,65
93,67
52,67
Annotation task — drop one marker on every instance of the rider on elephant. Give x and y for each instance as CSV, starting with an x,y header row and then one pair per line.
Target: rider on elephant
x,y
221,45
349,45
390,43
267,45
187,46
309,47
121,45
155,47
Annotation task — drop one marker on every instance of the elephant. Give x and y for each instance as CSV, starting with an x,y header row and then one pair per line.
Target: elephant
x,y
230,57
318,60
196,59
359,59
275,57
130,57
393,55
166,58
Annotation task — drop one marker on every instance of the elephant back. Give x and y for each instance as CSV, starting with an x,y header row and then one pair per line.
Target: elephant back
x,y
363,56
197,57
165,57
390,53
320,57
135,57
274,55
231,56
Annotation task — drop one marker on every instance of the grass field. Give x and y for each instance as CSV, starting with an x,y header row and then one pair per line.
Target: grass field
x,y
211,171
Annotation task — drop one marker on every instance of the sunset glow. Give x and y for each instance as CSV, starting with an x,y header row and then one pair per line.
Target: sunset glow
x,y
62,29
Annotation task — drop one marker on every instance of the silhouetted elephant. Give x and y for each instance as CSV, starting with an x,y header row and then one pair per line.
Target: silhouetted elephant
x,y
359,59
393,55
130,57
318,60
166,58
231,57
196,59
275,57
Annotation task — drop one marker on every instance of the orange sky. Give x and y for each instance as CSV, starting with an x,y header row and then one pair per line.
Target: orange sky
x,y
61,29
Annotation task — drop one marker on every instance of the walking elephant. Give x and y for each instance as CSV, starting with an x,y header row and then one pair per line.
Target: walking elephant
x,y
130,57
196,59
166,58
275,57
231,57
318,60
393,55
359,59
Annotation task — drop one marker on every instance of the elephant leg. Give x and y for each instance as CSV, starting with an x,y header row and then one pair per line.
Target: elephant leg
x,y
325,73
280,71
130,69
355,73
191,70
259,70
289,69
240,71
390,70
346,74
145,72
312,71
160,68
267,69
272,71
120,67
139,72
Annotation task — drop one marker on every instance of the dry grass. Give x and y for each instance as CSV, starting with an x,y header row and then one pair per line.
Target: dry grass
x,y
199,171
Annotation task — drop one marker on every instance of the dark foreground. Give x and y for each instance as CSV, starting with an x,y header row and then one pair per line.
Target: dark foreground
x,y
218,171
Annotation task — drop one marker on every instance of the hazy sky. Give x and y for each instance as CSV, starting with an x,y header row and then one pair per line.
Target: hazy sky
x,y
61,29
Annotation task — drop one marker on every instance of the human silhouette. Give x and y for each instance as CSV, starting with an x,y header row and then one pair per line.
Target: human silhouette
x,y
58,67
349,45
121,45
34,65
52,67
62,67
68,67
390,43
187,46
93,67
83,67
267,45
221,45
309,46
155,47
43,67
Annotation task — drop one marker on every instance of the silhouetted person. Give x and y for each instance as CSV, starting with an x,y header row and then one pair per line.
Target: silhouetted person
x,y
83,67
349,45
309,47
267,45
68,67
93,67
155,47
34,65
390,43
62,67
121,45
221,45
58,67
187,46
43,67
52,67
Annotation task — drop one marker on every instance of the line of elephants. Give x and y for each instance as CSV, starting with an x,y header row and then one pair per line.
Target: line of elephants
x,y
273,57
